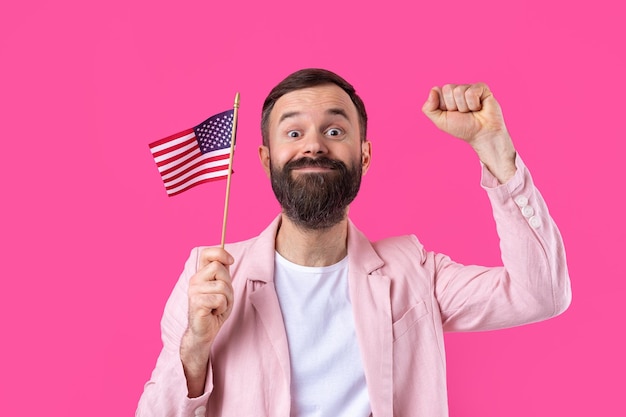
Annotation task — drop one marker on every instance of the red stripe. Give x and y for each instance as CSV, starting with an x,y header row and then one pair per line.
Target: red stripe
x,y
197,174
169,138
182,158
198,183
174,147
194,166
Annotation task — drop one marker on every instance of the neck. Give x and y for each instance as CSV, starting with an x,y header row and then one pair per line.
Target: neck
x,y
312,247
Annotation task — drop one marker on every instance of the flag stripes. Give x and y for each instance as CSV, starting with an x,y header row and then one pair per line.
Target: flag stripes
x,y
181,161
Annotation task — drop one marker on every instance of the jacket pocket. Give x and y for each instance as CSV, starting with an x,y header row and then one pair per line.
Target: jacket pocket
x,y
409,319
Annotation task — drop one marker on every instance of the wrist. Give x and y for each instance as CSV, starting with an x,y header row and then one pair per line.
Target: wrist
x,y
498,154
194,356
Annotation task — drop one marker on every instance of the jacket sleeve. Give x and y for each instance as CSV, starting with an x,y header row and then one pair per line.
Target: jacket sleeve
x,y
533,283
165,394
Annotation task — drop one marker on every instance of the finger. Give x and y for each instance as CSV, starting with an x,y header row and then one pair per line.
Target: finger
x,y
448,97
214,304
475,96
204,304
459,98
214,271
214,287
211,254
221,304
211,295
433,101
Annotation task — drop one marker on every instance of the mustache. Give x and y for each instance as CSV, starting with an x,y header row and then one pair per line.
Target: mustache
x,y
321,162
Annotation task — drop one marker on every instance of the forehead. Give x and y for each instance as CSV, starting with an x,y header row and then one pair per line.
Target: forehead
x,y
318,100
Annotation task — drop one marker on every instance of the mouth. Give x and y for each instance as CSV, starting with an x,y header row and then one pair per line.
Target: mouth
x,y
312,169
305,165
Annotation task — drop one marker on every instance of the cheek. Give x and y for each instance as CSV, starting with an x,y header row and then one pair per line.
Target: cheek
x,y
279,156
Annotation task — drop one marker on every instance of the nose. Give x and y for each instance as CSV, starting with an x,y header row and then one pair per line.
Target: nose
x,y
314,144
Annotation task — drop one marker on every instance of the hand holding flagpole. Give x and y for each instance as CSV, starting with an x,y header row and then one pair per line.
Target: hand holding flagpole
x,y
230,167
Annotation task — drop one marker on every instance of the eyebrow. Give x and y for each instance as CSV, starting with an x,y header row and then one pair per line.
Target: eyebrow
x,y
335,111
338,112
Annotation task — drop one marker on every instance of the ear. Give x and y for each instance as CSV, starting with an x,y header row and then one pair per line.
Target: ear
x,y
366,155
264,157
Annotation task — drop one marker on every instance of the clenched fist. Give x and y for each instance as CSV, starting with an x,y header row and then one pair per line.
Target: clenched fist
x,y
210,303
471,113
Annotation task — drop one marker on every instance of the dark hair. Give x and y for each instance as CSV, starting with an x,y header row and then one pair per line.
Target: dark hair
x,y
306,78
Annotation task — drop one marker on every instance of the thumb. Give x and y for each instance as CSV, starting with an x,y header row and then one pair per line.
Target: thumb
x,y
432,106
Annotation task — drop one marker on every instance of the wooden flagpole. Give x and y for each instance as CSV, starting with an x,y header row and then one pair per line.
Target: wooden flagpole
x,y
233,136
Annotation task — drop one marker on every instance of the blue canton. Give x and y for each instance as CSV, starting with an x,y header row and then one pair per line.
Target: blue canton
x,y
214,133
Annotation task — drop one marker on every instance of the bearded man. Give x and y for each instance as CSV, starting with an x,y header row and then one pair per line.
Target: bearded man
x,y
311,318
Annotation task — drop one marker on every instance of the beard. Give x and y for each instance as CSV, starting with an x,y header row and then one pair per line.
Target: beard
x,y
316,200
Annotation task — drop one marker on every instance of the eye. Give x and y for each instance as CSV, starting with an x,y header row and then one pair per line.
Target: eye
x,y
293,134
334,132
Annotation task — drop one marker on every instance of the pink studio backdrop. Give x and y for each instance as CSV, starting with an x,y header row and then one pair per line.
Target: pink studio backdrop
x,y
91,244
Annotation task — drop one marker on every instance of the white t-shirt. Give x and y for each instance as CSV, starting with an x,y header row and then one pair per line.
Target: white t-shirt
x,y
327,377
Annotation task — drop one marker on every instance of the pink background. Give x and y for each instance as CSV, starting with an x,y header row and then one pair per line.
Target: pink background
x,y
91,244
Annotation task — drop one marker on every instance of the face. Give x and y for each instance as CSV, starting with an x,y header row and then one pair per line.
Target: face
x,y
315,157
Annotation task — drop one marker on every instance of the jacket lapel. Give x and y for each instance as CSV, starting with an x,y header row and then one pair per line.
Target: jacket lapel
x,y
265,302
262,294
371,305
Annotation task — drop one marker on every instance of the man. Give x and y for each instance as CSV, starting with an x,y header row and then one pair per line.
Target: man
x,y
311,318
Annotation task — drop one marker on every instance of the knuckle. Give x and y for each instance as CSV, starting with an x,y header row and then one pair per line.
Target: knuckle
x,y
217,286
206,254
212,254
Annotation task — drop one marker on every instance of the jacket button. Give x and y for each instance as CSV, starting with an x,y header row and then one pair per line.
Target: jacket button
x,y
528,211
535,222
521,201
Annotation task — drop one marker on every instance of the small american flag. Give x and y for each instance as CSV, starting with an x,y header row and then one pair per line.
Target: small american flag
x,y
196,155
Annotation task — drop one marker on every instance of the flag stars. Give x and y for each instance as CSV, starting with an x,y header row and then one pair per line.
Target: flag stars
x,y
214,133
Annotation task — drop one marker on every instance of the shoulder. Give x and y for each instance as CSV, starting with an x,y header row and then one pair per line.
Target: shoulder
x,y
243,247
388,249
401,242
401,247
408,266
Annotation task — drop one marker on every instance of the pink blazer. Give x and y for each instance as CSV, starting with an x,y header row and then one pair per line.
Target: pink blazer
x,y
403,299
